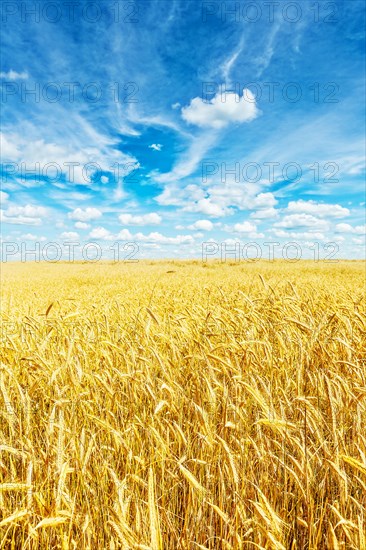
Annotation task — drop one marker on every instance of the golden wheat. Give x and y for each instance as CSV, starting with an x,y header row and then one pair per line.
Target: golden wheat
x,y
180,405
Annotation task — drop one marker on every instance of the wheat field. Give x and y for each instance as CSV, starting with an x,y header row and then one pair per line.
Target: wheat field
x,y
180,405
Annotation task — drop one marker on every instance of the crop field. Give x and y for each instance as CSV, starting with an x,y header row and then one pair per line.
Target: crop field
x,y
181,405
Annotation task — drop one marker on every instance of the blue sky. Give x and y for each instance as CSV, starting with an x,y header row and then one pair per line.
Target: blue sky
x,y
176,123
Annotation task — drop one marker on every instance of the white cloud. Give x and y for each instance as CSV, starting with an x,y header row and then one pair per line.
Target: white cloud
x,y
13,75
124,235
221,110
189,160
69,235
298,235
155,120
208,207
77,158
267,51
82,225
162,239
228,64
217,199
3,197
156,146
145,219
100,233
67,195
292,221
245,227
154,237
265,214
19,220
9,148
104,234
352,164
23,215
344,228
85,215
358,240
31,237
264,203
202,225
174,195
263,200
104,179
347,228
318,209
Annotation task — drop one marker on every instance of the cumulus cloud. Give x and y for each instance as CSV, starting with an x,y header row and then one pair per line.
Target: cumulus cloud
x,y
298,235
318,209
72,235
218,199
347,228
221,110
156,146
100,233
208,207
245,227
31,237
19,220
162,239
263,200
173,195
201,225
23,215
85,215
124,235
292,221
145,219
154,237
264,204
82,225
265,214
